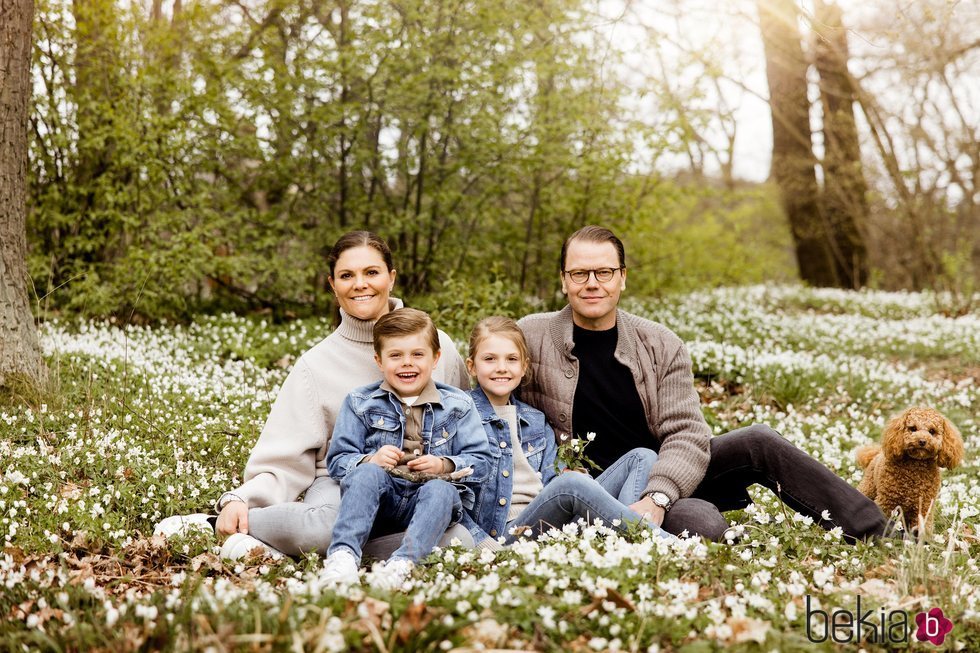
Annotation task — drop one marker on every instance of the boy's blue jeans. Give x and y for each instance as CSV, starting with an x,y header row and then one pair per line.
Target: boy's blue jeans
x,y
369,494
573,495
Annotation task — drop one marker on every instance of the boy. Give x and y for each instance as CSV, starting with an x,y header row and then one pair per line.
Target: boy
x,y
405,427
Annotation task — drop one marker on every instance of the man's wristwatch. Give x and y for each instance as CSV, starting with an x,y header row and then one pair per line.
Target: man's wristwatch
x,y
661,499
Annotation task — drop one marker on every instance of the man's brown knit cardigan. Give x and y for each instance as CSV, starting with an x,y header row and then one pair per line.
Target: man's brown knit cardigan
x,y
661,368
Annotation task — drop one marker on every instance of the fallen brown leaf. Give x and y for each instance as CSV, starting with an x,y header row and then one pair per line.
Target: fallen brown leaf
x,y
373,614
486,632
70,491
611,595
413,620
745,629
207,560
15,552
21,611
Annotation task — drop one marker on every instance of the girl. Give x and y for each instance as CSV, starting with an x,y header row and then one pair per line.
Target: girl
x,y
523,488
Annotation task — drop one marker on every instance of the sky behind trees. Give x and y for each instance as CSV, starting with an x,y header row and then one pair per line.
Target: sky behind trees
x,y
673,42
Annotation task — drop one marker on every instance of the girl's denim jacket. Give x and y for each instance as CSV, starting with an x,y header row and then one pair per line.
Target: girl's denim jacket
x,y
371,417
488,518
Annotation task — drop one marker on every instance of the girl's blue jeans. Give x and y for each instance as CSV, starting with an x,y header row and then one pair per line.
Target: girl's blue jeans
x,y
574,495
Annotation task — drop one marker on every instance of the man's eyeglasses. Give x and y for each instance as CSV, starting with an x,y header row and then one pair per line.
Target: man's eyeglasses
x,y
602,275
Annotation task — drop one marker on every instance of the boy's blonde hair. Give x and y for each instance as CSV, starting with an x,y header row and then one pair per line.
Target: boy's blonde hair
x,y
405,322
497,325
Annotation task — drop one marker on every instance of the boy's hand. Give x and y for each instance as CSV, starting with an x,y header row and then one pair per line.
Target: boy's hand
x,y
233,518
428,464
387,456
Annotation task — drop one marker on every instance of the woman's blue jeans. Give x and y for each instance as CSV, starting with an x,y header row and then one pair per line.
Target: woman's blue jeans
x,y
573,495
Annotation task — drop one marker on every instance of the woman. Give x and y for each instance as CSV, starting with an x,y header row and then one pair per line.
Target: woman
x,y
289,458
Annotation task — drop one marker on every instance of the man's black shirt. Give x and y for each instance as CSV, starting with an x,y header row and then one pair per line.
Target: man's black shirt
x,y
607,402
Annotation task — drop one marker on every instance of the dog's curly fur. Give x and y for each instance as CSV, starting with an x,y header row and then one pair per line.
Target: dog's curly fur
x,y
903,471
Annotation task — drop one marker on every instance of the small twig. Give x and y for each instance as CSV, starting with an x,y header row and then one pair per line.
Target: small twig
x,y
126,336
59,286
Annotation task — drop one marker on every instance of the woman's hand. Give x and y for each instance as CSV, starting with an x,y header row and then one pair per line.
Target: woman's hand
x,y
233,518
428,464
387,456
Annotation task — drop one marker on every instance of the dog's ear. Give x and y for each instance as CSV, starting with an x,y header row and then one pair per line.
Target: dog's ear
x,y
892,442
951,455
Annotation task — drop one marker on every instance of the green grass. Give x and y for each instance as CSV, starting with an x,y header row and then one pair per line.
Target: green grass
x,y
138,424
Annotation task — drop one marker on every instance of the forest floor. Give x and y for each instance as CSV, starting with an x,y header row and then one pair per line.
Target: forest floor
x,y
138,423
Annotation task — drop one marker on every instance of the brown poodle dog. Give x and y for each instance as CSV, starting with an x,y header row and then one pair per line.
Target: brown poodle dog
x,y
904,470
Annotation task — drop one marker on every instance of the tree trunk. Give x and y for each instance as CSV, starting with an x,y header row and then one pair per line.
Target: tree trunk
x,y
345,98
793,163
845,191
19,350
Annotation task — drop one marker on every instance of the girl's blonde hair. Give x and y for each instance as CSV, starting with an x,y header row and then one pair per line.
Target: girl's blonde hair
x,y
497,325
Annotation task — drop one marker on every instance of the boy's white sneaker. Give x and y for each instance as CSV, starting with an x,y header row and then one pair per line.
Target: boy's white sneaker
x,y
241,545
183,525
391,575
340,568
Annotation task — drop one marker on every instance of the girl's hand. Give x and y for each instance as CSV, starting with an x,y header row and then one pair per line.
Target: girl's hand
x,y
429,464
233,518
387,456
650,511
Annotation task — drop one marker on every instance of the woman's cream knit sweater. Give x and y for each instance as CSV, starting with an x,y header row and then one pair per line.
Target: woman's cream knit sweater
x,y
292,448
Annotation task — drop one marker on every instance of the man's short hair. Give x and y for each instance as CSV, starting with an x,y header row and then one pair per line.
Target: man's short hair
x,y
405,322
593,234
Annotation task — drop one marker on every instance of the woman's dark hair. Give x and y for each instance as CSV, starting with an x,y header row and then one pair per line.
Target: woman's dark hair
x,y
353,239
593,234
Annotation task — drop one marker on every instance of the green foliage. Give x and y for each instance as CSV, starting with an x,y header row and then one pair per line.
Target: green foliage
x,y
957,281
460,303
211,155
571,454
687,236
207,158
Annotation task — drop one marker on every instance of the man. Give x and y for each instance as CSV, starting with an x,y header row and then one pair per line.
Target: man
x,y
598,369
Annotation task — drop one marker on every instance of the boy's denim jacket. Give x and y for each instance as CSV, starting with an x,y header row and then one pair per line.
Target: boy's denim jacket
x,y
489,517
371,417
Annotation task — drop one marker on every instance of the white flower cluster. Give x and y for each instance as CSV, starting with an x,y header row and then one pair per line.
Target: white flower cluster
x,y
159,421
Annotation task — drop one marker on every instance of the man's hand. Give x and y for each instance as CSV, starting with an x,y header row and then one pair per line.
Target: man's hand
x,y
650,511
233,518
428,464
387,456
